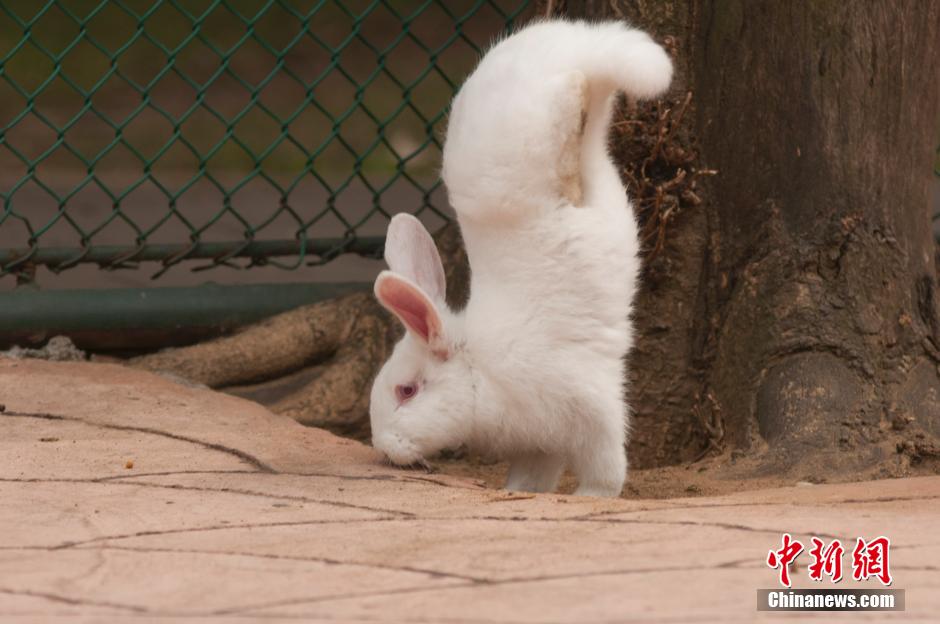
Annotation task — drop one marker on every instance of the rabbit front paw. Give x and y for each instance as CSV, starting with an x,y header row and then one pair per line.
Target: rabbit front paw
x,y
535,472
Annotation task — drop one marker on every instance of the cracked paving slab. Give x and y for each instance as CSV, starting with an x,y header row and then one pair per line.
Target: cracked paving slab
x,y
51,515
483,550
648,595
201,584
104,452
231,513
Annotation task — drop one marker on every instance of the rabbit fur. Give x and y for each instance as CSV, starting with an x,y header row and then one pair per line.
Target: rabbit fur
x,y
533,368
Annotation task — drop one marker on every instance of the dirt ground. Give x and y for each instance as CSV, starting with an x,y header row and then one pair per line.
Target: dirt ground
x,y
699,479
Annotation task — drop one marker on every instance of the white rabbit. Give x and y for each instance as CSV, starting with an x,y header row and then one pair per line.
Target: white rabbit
x,y
533,368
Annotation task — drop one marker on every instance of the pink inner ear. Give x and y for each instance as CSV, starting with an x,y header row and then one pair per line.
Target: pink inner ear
x,y
411,306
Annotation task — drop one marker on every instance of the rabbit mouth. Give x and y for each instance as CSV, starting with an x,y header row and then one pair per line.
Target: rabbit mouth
x,y
400,452
419,464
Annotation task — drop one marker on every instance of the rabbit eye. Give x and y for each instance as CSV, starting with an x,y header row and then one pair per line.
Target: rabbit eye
x,y
406,391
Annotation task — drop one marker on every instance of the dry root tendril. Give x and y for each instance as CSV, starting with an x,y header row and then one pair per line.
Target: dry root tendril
x,y
658,165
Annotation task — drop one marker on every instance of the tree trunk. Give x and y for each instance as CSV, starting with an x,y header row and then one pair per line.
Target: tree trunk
x,y
794,313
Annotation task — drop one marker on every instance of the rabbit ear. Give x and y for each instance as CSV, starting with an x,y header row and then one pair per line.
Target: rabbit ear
x,y
413,307
410,251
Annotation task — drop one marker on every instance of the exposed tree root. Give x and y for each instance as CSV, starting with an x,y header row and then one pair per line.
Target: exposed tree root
x,y
338,399
273,347
349,336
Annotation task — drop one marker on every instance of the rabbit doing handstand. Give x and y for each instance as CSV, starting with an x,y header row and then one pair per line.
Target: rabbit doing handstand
x,y
533,368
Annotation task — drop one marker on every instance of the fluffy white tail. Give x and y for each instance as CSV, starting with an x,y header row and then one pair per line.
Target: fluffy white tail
x,y
529,128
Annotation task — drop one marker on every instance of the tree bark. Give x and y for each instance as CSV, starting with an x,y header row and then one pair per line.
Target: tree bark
x,y
794,314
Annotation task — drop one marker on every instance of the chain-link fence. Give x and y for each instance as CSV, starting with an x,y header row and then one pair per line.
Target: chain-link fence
x,y
234,131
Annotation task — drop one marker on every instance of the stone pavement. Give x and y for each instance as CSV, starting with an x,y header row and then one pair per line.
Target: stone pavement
x,y
127,497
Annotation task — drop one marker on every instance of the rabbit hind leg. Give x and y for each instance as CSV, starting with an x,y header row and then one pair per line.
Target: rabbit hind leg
x,y
600,463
